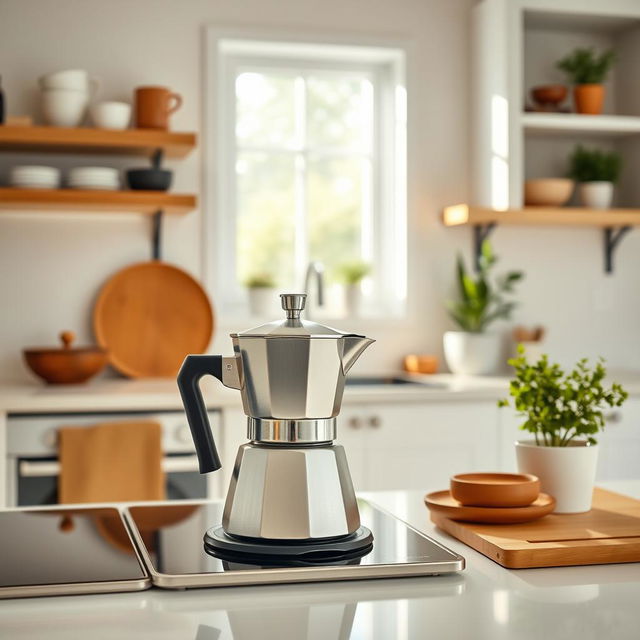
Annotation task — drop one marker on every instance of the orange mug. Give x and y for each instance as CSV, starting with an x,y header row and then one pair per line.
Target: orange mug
x,y
154,105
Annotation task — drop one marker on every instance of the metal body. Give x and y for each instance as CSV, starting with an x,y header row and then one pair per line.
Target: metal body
x,y
290,482
291,493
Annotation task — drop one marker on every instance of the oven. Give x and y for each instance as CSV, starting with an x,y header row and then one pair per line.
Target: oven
x,y
32,454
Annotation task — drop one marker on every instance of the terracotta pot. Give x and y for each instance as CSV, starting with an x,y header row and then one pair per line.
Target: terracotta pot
x,y
588,98
548,192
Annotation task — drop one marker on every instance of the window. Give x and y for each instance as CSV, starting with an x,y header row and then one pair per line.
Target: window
x,y
310,149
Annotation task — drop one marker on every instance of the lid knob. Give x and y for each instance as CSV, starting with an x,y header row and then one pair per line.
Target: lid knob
x,y
293,304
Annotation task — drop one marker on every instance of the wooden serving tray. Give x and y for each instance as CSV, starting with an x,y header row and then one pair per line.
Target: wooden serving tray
x,y
609,533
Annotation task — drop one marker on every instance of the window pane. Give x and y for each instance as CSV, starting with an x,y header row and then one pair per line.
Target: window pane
x,y
335,206
265,109
265,201
339,111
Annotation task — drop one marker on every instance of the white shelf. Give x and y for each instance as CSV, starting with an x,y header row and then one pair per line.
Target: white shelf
x,y
570,124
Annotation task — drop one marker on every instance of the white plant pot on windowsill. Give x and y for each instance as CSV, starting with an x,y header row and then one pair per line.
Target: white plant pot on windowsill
x,y
352,299
472,354
597,194
566,473
262,301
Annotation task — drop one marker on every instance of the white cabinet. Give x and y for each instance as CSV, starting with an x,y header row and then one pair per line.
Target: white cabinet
x,y
619,456
417,445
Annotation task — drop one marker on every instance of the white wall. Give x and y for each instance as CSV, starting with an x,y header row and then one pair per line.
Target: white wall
x,y
53,265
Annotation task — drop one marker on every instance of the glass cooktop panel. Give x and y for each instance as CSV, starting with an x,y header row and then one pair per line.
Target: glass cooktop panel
x,y
53,546
174,538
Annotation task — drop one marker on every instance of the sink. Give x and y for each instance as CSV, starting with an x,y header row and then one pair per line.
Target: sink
x,y
387,381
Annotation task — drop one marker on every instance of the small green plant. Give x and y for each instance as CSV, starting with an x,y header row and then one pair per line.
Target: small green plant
x,y
480,302
353,272
559,407
584,66
591,165
260,281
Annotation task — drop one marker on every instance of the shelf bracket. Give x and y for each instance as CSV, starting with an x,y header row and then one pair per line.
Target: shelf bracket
x,y
156,235
612,238
480,233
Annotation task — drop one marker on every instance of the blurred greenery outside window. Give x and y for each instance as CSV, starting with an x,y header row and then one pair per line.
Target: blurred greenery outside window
x,y
313,155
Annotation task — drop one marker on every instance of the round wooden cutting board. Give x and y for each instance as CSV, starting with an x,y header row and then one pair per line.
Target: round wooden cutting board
x,y
150,316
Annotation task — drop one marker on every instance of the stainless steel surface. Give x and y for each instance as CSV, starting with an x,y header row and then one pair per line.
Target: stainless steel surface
x,y
41,559
315,270
290,493
291,431
398,550
45,468
293,369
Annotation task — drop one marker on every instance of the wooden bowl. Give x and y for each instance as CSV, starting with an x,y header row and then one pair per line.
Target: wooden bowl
x,y
66,365
548,192
495,489
549,94
421,363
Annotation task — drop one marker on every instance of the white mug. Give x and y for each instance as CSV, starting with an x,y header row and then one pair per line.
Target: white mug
x,y
111,115
64,108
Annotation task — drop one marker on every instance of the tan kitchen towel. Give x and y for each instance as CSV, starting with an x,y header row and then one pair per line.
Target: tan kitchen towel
x,y
111,461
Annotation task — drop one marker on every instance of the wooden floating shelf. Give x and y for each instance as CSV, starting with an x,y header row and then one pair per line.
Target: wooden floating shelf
x,y
147,202
570,124
462,214
86,140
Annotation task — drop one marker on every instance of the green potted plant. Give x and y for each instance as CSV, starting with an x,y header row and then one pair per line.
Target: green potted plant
x,y
587,71
262,295
563,411
596,172
481,300
351,274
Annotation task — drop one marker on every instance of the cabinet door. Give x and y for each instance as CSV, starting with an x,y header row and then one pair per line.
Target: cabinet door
x,y
419,446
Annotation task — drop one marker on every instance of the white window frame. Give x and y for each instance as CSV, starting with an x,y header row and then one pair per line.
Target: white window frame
x,y
229,50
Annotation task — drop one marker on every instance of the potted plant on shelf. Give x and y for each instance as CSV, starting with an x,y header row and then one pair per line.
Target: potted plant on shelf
x,y
352,274
261,288
480,302
596,172
587,71
563,412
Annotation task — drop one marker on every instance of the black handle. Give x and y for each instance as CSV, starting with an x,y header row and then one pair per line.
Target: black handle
x,y
192,369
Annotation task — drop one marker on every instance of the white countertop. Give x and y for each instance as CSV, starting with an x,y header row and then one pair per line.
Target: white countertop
x,y
483,601
119,394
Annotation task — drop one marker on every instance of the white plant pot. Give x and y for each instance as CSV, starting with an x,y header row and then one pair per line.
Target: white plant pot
x,y
566,473
262,301
352,299
596,195
473,353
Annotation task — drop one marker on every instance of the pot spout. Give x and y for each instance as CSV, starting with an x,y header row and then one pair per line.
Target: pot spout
x,y
352,350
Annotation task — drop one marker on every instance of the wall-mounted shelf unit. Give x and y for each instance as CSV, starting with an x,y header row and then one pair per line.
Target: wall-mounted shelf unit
x,y
573,124
616,223
86,140
146,202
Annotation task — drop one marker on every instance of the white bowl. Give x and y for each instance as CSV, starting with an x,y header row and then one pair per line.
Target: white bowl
x,y
111,115
70,79
64,108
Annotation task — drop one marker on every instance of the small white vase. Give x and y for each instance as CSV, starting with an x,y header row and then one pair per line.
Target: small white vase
x,y
262,301
352,299
596,195
473,353
566,473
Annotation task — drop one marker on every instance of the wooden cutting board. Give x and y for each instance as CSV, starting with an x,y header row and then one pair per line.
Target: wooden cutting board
x,y
609,533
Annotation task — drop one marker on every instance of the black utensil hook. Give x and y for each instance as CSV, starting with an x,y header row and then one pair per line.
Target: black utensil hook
x,y
156,235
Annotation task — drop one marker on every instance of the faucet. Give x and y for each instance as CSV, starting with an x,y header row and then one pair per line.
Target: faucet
x,y
315,269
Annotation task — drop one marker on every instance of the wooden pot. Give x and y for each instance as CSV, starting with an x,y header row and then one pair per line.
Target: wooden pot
x,y
588,98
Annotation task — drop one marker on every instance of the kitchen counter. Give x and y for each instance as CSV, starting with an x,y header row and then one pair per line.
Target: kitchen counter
x,y
484,601
118,394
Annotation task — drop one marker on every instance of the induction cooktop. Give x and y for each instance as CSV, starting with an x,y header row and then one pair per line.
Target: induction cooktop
x,y
170,540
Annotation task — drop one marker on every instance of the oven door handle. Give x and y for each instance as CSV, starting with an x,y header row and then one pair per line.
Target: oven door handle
x,y
170,464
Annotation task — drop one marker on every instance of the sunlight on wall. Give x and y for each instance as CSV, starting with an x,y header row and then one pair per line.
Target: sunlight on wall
x,y
500,152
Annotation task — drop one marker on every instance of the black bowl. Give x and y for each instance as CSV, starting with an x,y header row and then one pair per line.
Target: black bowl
x,y
149,179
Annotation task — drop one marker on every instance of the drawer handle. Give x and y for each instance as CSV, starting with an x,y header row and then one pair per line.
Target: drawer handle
x,y
374,422
355,422
615,417
170,464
